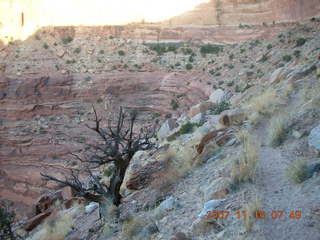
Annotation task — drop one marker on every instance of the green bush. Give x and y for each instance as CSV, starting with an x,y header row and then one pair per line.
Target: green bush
x,y
45,46
210,49
171,138
187,51
67,40
174,104
220,107
77,50
189,66
300,42
188,128
6,220
297,53
287,58
121,53
269,46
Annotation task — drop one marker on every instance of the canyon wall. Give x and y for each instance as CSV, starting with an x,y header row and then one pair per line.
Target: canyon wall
x,y
234,12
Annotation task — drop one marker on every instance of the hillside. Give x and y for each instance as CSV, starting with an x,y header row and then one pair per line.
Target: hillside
x,y
253,141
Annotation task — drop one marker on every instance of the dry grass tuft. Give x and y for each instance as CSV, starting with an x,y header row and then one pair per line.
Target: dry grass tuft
x,y
277,130
297,171
56,229
244,168
251,209
264,103
132,227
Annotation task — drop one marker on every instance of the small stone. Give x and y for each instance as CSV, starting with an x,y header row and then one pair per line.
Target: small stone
x,y
91,207
314,138
297,134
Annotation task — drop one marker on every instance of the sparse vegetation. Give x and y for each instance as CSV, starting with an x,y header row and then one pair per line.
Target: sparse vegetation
x,y
45,46
189,66
174,104
56,229
121,53
300,42
277,130
253,210
67,40
77,50
287,58
297,171
220,107
210,49
244,168
6,221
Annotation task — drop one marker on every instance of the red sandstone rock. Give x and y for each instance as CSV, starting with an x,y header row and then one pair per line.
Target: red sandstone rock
x,y
46,201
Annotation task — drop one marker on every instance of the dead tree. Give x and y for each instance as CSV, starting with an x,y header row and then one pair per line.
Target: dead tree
x,y
118,142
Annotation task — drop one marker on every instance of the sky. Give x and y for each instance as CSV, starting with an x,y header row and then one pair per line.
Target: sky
x,y
97,12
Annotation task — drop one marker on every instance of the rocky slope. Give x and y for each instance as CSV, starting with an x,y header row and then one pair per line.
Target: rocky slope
x,y
49,82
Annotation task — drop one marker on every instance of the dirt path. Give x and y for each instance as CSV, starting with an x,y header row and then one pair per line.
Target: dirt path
x,y
278,193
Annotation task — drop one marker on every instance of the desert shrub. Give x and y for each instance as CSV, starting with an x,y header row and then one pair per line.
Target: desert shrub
x,y
121,53
174,104
269,46
189,66
300,42
287,58
188,127
211,49
230,84
37,37
231,57
221,82
264,58
187,51
297,53
297,171
249,74
171,138
45,46
99,100
67,40
277,130
6,220
77,50
220,107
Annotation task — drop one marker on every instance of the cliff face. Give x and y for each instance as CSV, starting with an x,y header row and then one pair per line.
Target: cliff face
x,y
234,12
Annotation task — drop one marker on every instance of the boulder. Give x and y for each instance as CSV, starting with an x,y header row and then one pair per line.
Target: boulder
x,y
232,117
278,75
143,176
200,108
46,201
139,166
217,96
314,138
210,206
219,136
168,205
91,207
166,128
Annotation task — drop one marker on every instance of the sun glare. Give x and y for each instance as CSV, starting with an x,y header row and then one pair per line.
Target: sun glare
x,y
21,17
